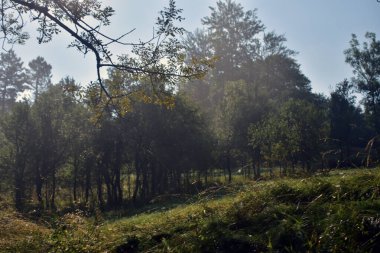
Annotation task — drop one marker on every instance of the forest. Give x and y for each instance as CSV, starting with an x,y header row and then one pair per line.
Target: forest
x,y
253,113
247,113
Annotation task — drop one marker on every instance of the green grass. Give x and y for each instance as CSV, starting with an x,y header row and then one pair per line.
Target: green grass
x,y
335,212
18,234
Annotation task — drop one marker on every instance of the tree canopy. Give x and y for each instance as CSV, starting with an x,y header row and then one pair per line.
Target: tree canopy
x,y
252,115
12,78
158,58
365,62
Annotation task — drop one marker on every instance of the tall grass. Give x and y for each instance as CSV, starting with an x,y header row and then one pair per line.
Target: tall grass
x,y
339,212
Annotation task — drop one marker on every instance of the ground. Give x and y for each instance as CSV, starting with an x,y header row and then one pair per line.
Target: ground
x,y
337,211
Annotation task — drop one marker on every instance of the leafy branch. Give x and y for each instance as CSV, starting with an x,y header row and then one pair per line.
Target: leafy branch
x,y
159,58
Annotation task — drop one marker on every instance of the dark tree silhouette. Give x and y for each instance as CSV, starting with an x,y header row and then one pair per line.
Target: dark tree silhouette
x,y
365,61
12,79
39,75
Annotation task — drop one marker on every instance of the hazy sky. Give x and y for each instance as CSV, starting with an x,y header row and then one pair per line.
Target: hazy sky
x,y
320,30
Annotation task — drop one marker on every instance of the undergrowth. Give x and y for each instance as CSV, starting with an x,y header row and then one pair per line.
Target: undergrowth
x,y
339,212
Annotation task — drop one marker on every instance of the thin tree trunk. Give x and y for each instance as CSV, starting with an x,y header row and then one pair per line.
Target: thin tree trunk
x,y
75,172
39,184
52,203
88,183
229,166
137,180
19,189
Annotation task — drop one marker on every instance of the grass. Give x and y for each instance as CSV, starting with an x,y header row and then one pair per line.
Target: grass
x,y
17,234
335,212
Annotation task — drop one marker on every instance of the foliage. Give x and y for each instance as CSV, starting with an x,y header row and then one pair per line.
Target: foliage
x,y
19,234
292,135
254,75
142,136
39,75
19,130
366,66
347,125
334,213
72,147
74,233
233,34
296,215
12,79
159,59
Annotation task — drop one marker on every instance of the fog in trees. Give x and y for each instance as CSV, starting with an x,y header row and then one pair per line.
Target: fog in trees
x,y
147,130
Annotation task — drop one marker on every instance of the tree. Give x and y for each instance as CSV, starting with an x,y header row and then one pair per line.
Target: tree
x,y
19,129
345,122
279,77
233,33
263,138
51,112
254,74
242,50
365,62
159,58
230,122
12,79
79,134
39,75
293,135
198,46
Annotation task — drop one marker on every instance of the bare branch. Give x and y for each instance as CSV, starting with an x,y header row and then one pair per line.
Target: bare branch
x,y
158,59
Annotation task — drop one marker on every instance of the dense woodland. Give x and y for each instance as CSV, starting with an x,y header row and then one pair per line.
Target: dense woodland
x,y
253,114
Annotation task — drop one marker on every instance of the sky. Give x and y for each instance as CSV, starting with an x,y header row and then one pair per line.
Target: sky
x,y
319,30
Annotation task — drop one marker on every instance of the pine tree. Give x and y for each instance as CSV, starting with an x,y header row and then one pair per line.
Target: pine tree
x,y
39,75
12,79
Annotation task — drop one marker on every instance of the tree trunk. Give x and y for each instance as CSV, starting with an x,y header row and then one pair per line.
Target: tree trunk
x,y
256,168
52,201
75,172
3,99
137,180
117,169
19,190
87,183
229,166
39,184
99,186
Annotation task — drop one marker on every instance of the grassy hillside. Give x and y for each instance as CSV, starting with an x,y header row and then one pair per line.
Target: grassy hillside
x,y
339,212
